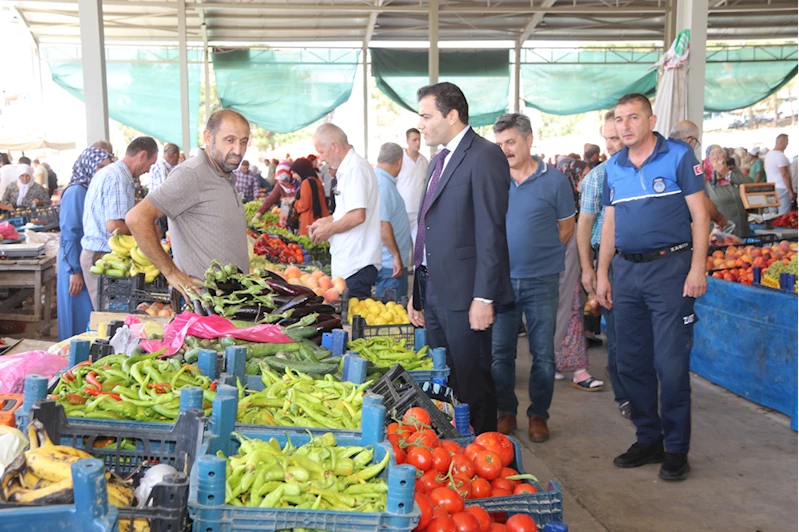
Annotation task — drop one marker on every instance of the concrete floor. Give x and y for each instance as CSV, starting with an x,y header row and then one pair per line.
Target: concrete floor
x,y
743,460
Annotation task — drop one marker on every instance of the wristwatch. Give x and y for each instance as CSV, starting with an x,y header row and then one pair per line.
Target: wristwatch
x,y
484,301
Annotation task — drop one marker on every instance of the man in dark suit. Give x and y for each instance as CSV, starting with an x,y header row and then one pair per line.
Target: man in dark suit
x,y
461,252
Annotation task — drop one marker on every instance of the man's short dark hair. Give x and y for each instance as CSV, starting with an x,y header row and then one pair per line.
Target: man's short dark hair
x,y
140,144
216,119
514,120
171,149
610,115
591,150
245,162
23,160
448,97
411,132
636,97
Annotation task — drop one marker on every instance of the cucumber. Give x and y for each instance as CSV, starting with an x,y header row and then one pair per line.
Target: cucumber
x,y
261,350
305,367
227,341
308,355
319,352
192,355
300,333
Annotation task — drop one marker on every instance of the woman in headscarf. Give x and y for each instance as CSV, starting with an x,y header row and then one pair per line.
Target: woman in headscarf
x,y
717,170
24,192
74,304
571,351
310,203
286,186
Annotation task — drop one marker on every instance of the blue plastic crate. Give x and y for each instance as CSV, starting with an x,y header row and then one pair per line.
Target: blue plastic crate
x,y
545,506
90,513
207,494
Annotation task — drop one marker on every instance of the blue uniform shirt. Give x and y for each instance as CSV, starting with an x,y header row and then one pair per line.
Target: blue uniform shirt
x,y
649,202
534,208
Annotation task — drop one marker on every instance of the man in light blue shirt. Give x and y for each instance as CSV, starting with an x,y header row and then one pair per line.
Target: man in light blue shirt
x,y
395,229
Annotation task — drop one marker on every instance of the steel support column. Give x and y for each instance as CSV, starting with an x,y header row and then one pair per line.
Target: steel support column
x,y
184,79
517,78
365,54
692,15
432,56
95,93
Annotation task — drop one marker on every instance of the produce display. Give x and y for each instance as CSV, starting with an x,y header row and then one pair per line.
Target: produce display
x,y
771,277
377,312
298,400
303,356
126,260
263,297
736,263
319,475
140,388
451,478
387,352
789,220
318,281
277,250
43,475
156,309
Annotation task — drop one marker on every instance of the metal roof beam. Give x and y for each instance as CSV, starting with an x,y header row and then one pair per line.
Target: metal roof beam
x,y
533,22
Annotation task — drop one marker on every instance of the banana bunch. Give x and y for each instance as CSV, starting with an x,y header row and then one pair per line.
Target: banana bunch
x,y
125,260
43,474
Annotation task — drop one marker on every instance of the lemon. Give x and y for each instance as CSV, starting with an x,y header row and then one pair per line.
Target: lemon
x,y
391,304
381,321
371,318
386,315
353,302
369,301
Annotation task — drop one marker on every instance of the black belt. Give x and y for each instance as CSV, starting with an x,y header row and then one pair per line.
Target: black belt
x,y
655,255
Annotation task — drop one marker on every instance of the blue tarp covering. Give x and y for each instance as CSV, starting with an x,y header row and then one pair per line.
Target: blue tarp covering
x,y
746,342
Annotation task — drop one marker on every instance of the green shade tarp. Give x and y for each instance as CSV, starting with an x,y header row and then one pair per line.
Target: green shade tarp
x,y
142,95
571,81
738,78
484,78
284,90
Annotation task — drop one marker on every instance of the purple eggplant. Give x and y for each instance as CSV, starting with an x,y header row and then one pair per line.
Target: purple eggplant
x,y
293,304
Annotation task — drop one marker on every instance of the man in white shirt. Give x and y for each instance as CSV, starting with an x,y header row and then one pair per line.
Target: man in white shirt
x,y
354,228
776,165
165,164
412,177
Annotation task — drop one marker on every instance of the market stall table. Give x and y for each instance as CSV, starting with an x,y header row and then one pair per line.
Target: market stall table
x,y
26,346
745,341
29,275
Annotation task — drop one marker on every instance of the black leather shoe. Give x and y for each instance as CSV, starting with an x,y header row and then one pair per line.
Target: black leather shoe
x,y
675,467
639,455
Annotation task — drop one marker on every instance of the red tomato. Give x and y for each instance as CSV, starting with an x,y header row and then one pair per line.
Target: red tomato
x,y
481,488
432,480
418,486
501,492
521,523
525,488
420,458
509,472
438,511
452,447
499,443
441,460
416,416
399,453
487,464
499,517
462,466
423,501
423,438
463,485
482,517
472,449
448,499
392,428
441,524
466,522
500,483
498,527
393,438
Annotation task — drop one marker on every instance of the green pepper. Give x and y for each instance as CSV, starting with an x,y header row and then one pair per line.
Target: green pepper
x,y
370,472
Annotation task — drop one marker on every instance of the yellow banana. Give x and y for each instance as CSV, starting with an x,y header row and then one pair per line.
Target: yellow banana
x,y
139,525
118,248
126,240
165,247
71,451
33,436
57,493
13,487
119,494
29,480
139,257
50,467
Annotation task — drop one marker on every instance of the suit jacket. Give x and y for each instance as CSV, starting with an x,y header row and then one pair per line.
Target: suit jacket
x,y
466,245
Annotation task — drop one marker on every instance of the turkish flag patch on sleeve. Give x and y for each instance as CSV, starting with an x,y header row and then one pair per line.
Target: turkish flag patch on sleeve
x,y
698,169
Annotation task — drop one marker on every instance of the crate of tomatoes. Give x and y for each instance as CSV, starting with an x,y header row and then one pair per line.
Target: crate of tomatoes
x,y
482,477
278,250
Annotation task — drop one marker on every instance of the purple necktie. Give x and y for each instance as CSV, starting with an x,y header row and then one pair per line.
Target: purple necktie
x,y
418,250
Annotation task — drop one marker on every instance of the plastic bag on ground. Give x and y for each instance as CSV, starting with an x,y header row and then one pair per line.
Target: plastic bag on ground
x,y
14,369
210,327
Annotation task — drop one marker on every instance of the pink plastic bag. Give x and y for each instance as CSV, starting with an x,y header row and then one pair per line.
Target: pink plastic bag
x,y
209,327
8,232
14,369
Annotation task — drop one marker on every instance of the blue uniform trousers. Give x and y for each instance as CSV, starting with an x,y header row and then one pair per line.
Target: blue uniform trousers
x,y
654,336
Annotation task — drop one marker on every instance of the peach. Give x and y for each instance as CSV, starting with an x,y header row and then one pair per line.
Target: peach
x,y
756,252
318,274
331,295
718,254
319,291
304,277
311,282
325,282
730,264
295,280
292,272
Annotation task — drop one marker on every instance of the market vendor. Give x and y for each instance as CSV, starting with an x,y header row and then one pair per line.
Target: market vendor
x,y
24,192
286,186
205,212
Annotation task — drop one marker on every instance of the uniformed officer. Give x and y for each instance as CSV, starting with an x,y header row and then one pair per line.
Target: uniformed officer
x,y
653,192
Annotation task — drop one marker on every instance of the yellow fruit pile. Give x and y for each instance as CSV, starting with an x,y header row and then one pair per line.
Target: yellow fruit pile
x,y
377,312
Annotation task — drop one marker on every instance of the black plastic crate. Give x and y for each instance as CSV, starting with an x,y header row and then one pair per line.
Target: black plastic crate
x,y
396,332
400,392
125,294
177,445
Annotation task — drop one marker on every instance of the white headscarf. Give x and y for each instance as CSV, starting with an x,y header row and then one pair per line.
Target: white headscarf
x,y
23,169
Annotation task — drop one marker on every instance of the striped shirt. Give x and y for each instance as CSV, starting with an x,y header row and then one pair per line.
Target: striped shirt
x,y
110,196
591,200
